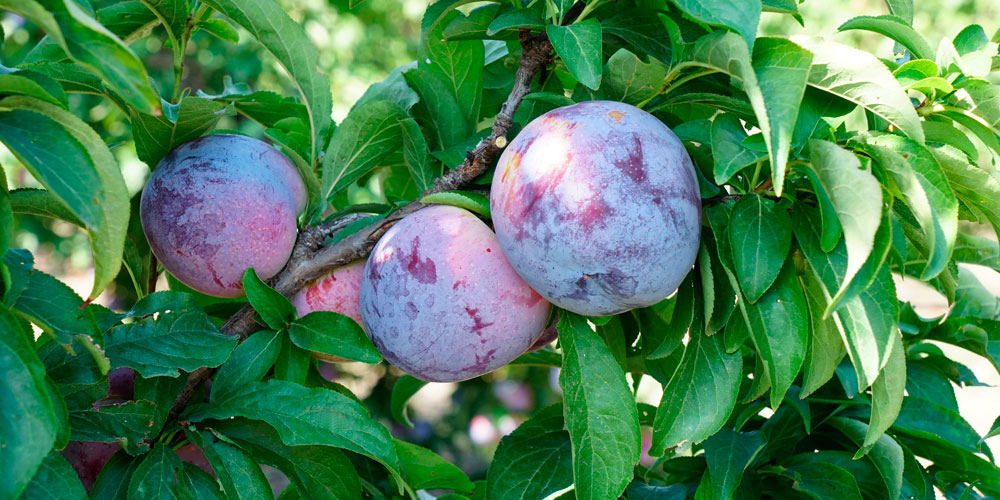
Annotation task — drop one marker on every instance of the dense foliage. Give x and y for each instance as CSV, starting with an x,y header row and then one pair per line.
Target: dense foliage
x,y
789,368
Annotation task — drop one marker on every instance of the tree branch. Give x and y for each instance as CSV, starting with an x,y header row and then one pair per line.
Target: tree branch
x,y
312,259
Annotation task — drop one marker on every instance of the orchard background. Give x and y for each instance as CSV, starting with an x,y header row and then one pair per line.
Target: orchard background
x,y
912,115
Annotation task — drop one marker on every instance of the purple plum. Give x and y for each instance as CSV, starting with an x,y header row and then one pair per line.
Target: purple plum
x,y
219,204
441,302
121,383
596,205
339,292
88,458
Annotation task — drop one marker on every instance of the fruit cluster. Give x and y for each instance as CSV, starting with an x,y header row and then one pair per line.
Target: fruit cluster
x,y
595,207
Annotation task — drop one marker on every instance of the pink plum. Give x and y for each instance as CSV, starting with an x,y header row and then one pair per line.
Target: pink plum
x,y
339,292
596,205
441,302
219,204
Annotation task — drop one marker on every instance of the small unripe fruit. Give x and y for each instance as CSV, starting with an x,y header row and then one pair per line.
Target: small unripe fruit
x,y
219,204
339,292
597,207
441,302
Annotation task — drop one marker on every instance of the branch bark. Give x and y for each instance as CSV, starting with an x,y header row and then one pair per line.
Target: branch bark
x,y
312,258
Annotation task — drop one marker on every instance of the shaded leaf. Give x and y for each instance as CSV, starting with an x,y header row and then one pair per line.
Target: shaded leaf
x,y
334,334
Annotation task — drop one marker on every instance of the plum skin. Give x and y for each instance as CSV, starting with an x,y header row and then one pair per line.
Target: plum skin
x,y
440,301
219,204
597,207
339,292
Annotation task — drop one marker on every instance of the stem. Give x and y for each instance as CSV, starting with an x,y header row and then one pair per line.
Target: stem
x,y
697,74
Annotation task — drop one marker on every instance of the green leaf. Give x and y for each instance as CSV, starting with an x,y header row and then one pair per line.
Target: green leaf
x,y
329,419
317,472
239,475
28,424
127,423
868,321
760,236
856,195
579,46
402,391
43,203
6,216
629,80
55,480
425,470
782,68
825,349
200,483
700,394
220,29
887,393
884,452
293,362
926,380
719,296
901,8
779,328
539,444
169,342
437,11
439,111
515,20
643,30
824,481
473,202
862,79
895,28
369,133
72,161
729,155
460,65
927,420
127,19
249,362
728,453
471,27
971,39
416,155
919,177
173,15
31,84
334,334
274,308
741,17
113,482
599,410
972,184
160,475
155,136
286,40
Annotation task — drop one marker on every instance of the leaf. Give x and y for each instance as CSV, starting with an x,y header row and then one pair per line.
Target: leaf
x,y
856,196
895,28
700,395
6,216
43,203
426,470
220,29
369,133
927,420
155,136
629,80
782,68
919,177
473,202
293,362
779,328
884,452
825,481
971,39
515,20
439,111
160,475
127,19
285,39
128,424
330,418
113,482
973,185
926,380
201,484
599,410
173,15
729,155
393,89
72,161
169,342
901,8
579,46
416,156
643,30
887,393
334,334
728,453
239,475
28,424
760,236
862,79
471,27
460,65
866,322
276,310
402,391
31,84
539,444
55,480
249,362
825,349
741,17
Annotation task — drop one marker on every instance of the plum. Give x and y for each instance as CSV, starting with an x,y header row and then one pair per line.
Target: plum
x,y
441,302
121,383
88,458
219,204
596,205
339,292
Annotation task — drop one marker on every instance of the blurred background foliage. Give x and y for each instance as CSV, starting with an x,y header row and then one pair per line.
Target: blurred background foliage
x,y
358,47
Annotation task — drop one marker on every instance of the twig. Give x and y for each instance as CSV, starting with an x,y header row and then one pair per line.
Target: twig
x,y
311,259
